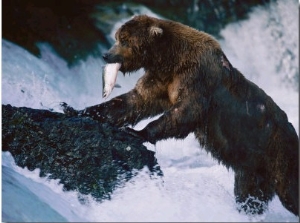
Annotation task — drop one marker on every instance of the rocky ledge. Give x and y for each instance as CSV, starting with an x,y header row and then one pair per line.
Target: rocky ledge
x,y
86,156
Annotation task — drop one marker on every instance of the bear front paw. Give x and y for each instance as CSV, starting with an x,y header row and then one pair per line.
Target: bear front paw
x,y
142,134
68,110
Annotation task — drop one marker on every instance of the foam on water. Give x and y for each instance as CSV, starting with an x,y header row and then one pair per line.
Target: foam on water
x,y
194,187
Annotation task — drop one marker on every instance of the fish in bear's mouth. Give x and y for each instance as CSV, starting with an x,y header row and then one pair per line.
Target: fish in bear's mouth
x,y
109,77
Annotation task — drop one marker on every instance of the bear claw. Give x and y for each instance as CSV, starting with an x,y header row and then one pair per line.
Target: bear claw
x,y
135,133
68,110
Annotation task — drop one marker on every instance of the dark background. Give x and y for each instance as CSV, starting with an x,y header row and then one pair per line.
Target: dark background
x,y
74,28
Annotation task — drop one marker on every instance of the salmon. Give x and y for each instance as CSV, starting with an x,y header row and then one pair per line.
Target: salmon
x,y
109,77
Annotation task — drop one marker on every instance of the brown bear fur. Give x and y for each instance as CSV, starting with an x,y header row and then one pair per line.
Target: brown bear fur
x,y
189,80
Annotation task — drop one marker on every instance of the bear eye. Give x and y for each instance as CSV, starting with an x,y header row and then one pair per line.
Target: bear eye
x,y
124,43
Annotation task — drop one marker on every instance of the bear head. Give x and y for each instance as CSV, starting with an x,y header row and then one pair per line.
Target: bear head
x,y
134,39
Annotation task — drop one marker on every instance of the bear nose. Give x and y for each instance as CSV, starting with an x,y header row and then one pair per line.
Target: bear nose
x,y
105,56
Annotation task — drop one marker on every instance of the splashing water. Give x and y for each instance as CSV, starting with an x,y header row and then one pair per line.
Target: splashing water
x,y
194,187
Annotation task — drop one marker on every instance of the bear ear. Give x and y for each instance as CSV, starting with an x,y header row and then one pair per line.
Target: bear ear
x,y
155,31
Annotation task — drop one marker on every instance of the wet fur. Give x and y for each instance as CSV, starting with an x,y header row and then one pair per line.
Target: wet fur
x,y
190,81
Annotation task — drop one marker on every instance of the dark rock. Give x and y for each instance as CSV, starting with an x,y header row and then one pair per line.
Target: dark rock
x,y
86,156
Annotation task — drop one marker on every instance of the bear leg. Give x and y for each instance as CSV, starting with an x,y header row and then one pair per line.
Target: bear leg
x,y
288,194
123,110
252,192
287,189
285,168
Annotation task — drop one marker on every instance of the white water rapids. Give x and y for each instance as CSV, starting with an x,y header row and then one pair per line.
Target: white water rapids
x,y
194,187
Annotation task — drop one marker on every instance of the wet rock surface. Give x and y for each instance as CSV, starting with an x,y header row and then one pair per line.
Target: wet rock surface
x,y
86,156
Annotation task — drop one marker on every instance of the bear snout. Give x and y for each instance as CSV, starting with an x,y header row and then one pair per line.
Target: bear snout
x,y
105,57
112,58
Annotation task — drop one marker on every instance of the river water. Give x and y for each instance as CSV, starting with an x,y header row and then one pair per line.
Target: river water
x,y
194,187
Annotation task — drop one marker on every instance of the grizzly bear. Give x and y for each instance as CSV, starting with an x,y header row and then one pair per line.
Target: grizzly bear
x,y
189,80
